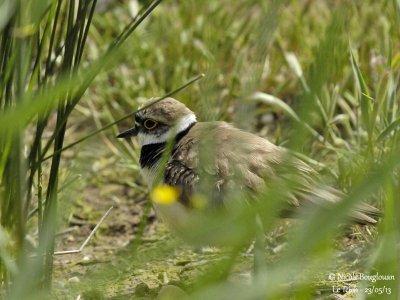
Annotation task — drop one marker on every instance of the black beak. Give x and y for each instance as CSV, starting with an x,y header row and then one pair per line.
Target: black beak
x,y
128,133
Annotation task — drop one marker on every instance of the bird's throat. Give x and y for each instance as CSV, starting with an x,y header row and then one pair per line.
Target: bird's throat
x,y
150,154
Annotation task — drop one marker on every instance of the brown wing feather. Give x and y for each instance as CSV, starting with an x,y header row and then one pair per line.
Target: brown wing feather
x,y
179,175
217,149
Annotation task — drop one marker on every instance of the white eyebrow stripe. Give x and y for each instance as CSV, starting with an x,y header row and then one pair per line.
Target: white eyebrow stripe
x,y
183,124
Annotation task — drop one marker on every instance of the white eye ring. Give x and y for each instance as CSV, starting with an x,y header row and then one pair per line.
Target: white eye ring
x,y
150,124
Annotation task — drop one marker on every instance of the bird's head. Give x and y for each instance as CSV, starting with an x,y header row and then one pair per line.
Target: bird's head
x,y
158,122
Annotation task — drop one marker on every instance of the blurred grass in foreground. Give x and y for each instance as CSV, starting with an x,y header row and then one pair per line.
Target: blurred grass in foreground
x,y
335,64
42,44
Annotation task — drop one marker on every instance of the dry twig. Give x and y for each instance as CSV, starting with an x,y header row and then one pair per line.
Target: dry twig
x,y
88,238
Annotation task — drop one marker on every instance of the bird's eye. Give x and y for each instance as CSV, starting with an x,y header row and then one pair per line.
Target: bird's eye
x,y
150,124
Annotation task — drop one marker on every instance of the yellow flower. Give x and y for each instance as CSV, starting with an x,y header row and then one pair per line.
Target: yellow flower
x,y
164,194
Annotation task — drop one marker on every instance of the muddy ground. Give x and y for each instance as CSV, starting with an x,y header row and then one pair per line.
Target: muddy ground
x,y
133,255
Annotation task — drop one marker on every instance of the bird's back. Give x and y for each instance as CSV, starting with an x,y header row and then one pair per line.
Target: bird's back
x,y
221,150
227,158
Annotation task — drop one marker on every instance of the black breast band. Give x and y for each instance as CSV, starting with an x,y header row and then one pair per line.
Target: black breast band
x,y
151,153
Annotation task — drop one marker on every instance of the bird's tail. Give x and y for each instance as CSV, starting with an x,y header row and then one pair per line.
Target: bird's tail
x,y
363,213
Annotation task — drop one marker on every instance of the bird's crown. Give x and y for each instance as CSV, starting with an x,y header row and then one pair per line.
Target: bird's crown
x,y
156,121
167,111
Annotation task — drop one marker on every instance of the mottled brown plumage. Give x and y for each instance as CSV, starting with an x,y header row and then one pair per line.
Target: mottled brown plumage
x,y
233,158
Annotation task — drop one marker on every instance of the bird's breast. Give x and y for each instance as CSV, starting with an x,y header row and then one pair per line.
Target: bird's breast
x,y
175,215
149,175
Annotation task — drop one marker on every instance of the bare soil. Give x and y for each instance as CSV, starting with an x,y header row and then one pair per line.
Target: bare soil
x,y
121,262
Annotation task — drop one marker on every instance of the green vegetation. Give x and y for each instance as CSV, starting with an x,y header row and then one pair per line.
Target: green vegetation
x,y
69,71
